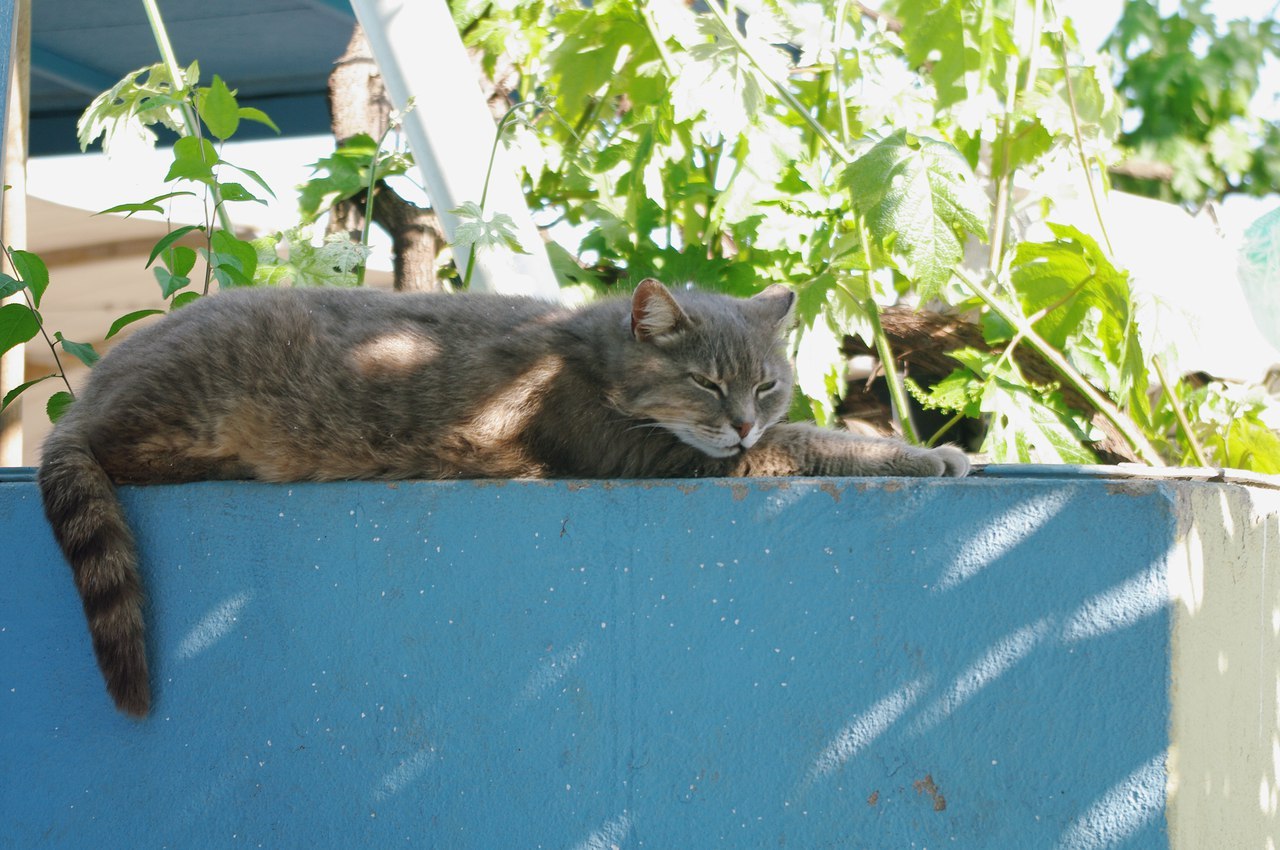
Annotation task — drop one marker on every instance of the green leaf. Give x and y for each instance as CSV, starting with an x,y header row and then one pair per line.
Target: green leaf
x,y
58,404
182,299
142,99
179,259
33,272
248,113
252,175
13,394
233,260
477,231
819,367
345,174
1086,306
169,282
919,199
149,205
10,285
82,351
959,392
128,319
168,239
1023,429
18,323
334,263
217,106
933,34
236,192
193,159
1251,445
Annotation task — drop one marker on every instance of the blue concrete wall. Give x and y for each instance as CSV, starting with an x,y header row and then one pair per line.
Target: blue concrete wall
x,y
811,664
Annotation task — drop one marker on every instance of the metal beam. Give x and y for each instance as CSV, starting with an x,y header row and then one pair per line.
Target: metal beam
x,y
341,7
451,132
76,75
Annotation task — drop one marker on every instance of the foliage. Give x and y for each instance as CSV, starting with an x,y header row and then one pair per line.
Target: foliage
x,y
143,99
810,144
1191,83
862,159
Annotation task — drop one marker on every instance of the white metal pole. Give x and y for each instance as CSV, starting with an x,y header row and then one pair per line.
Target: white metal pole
x,y
421,55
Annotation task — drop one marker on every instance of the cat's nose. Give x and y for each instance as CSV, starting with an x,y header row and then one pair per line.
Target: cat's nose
x,y
744,428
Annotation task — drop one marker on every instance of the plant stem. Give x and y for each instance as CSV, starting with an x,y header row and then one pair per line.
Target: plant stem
x,y
668,63
846,136
1126,426
488,173
941,432
369,198
190,119
53,348
1196,451
790,99
897,394
1084,161
1004,180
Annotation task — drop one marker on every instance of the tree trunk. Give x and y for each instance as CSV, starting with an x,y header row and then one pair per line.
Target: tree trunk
x,y
358,103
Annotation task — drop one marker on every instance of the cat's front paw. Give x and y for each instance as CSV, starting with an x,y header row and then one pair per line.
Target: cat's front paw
x,y
955,463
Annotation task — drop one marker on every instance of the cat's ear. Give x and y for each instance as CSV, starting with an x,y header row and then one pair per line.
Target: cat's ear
x,y
654,312
778,303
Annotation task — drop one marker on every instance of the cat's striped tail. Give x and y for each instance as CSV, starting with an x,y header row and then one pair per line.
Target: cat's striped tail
x,y
88,521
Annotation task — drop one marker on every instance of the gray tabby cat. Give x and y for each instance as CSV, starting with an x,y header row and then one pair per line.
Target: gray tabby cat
x,y
328,384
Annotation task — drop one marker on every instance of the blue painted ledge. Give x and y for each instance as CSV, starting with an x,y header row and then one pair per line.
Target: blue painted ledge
x,y
1054,660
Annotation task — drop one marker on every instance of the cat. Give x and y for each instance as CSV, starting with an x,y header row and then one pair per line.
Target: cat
x,y
285,384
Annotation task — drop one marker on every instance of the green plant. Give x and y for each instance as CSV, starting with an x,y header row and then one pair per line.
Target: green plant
x,y
1191,84
836,152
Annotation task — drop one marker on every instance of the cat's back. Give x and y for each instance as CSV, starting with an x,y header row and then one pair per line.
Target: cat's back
x,y
261,326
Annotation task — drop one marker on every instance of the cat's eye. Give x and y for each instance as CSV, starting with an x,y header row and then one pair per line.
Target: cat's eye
x,y
765,387
706,383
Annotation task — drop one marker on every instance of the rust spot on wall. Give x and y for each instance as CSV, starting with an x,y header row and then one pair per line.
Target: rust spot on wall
x,y
687,489
830,488
575,486
739,491
874,798
927,786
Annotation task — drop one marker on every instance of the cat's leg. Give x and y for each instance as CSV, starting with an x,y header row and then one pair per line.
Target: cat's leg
x,y
800,449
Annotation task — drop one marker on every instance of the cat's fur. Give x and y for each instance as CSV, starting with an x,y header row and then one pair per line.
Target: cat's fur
x,y
327,384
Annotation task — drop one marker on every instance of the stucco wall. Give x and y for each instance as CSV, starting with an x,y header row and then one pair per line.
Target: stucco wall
x,y
885,664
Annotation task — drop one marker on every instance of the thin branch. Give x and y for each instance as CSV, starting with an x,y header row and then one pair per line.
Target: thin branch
x,y
1126,426
790,99
1084,161
1181,416
53,348
190,119
887,360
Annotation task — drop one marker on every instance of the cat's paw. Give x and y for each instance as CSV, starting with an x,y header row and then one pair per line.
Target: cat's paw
x,y
955,463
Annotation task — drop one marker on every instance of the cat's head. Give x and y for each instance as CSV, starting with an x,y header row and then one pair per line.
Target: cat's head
x,y
709,368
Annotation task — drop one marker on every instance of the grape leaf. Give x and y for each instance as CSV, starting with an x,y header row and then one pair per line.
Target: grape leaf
x,y
919,199
477,230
